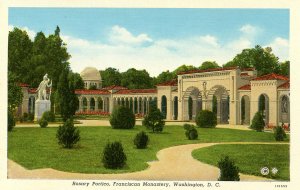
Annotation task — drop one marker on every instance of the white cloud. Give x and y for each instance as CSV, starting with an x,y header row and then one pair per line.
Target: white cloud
x,y
30,33
125,50
280,47
122,35
249,29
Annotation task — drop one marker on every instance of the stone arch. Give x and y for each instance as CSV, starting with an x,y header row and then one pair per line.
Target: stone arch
x,y
245,110
192,102
218,102
164,106
175,108
31,104
84,104
263,107
284,109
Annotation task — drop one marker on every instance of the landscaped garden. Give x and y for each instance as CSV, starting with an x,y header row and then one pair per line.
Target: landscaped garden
x,y
37,147
250,158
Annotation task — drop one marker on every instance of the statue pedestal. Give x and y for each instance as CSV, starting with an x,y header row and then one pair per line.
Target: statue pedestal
x,y
40,107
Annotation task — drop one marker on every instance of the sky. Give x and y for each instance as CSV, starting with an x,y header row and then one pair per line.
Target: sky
x,y
156,39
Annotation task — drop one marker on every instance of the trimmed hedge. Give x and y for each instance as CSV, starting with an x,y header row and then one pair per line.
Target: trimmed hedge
x,y
49,116
67,134
122,118
206,119
114,156
190,131
258,122
43,123
228,170
279,133
141,140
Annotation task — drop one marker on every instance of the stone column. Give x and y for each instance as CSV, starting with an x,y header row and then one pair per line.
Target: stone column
x,y
80,105
138,105
88,105
219,110
96,104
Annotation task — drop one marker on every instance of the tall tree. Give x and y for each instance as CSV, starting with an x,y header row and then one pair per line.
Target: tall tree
x,y
285,68
66,97
262,59
209,65
184,68
110,76
164,76
76,79
136,79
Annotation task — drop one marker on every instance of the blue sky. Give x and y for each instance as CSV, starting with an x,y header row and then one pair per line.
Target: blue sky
x,y
157,39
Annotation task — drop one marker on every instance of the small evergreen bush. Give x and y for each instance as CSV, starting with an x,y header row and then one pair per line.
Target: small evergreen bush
x,y
114,156
190,131
141,140
228,170
258,123
10,121
154,120
206,119
49,116
67,134
122,118
30,116
43,123
25,116
279,133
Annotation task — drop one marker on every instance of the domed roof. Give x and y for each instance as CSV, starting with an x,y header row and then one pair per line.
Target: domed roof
x,y
90,73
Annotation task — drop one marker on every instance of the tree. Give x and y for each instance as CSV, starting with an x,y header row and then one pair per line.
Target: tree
x,y
122,118
206,119
209,65
154,120
67,134
76,79
258,123
228,170
66,97
110,76
285,68
136,79
262,59
184,68
164,76
14,94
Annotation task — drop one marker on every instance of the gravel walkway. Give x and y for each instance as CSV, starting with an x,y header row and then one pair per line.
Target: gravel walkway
x,y
174,163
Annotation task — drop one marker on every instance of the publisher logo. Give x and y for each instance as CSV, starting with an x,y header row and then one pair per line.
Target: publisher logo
x,y
265,171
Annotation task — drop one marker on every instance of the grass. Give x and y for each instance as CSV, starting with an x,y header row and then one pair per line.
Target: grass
x,y
37,147
250,158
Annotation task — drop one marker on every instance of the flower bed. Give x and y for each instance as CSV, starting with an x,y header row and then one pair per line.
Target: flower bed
x,y
92,113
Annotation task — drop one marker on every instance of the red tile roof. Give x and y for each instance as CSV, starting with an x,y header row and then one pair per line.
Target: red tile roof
x,y
217,69
114,87
245,87
244,74
32,90
133,91
173,82
285,85
271,76
84,91
23,85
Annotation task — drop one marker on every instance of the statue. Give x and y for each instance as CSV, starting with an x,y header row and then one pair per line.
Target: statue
x,y
204,90
42,89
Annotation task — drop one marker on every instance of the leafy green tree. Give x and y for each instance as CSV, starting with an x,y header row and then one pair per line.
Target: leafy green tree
x,y
209,65
285,68
228,170
66,97
262,59
110,76
164,76
14,93
136,79
154,120
19,53
184,68
76,79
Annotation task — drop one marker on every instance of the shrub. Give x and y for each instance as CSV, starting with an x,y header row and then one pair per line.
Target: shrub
x,y
43,123
154,120
228,170
49,116
30,117
25,116
206,119
190,131
113,156
67,134
141,140
257,123
122,118
10,121
279,133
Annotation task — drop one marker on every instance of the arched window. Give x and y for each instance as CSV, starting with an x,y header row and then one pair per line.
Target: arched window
x,y
164,106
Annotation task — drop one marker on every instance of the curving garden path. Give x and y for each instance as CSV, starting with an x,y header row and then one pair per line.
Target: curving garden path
x,y
174,163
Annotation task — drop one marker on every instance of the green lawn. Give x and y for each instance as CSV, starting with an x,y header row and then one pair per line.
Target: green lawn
x,y
250,158
37,147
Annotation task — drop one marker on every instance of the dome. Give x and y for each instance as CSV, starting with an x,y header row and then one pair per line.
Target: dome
x,y
90,73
